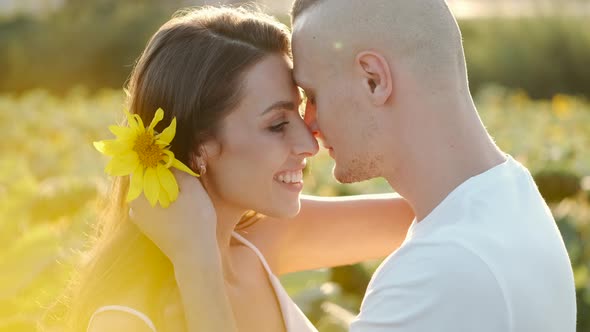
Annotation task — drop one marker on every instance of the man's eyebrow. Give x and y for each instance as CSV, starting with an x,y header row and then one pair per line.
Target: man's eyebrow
x,y
280,105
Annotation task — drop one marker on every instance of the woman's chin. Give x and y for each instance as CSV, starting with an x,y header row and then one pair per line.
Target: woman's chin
x,y
292,214
286,211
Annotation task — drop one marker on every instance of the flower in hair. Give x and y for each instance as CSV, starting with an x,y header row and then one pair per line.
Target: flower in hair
x,y
144,154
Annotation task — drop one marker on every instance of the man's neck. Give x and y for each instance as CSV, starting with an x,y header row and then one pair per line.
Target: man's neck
x,y
436,165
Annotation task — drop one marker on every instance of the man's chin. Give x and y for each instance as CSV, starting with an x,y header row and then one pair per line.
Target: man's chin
x,y
348,176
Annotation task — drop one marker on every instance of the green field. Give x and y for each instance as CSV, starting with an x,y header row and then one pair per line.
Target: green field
x,y
51,178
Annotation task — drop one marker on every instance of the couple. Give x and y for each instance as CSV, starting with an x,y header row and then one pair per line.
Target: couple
x,y
472,247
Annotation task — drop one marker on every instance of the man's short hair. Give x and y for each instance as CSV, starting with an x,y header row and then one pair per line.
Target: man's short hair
x,y
299,6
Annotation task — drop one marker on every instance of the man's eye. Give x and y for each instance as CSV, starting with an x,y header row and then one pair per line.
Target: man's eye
x,y
278,128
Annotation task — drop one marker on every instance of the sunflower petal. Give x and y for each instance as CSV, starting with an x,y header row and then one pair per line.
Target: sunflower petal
x,y
168,134
179,165
168,182
131,121
122,132
151,185
164,199
168,158
136,184
122,165
140,127
162,144
99,146
157,118
114,147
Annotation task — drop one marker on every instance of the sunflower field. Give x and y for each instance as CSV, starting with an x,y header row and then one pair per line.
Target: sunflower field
x,y
51,178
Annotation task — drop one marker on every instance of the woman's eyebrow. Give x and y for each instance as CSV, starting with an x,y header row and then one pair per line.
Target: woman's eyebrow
x,y
280,105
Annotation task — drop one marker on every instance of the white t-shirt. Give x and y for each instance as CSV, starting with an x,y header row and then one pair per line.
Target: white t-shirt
x,y
489,258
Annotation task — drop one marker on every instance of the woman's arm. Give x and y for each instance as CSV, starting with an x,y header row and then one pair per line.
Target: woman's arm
x,y
333,231
199,276
186,234
203,293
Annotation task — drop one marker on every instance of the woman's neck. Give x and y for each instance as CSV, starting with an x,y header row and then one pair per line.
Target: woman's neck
x,y
227,219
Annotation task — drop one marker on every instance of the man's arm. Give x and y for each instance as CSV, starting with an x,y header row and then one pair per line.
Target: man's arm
x,y
332,231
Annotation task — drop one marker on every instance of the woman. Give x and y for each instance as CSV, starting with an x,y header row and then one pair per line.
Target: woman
x,y
208,262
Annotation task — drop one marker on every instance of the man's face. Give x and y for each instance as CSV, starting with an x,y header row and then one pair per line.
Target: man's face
x,y
335,111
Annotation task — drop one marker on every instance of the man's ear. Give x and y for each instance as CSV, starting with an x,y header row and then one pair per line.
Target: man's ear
x,y
376,75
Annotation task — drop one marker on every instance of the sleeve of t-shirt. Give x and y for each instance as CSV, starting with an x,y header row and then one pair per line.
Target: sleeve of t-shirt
x,y
433,288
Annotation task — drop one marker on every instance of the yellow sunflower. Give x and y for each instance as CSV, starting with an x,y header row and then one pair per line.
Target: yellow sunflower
x,y
144,154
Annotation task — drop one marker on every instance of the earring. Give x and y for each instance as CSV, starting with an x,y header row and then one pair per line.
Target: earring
x,y
202,166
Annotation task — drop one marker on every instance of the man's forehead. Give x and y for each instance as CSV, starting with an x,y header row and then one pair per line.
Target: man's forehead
x,y
310,53
307,27
300,64
299,77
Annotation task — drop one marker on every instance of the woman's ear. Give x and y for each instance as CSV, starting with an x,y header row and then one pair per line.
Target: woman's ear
x,y
209,150
205,153
376,75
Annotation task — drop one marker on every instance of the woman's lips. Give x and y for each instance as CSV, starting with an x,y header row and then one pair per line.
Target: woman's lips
x,y
293,187
290,176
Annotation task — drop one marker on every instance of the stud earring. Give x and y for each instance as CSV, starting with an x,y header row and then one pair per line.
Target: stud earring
x,y
202,166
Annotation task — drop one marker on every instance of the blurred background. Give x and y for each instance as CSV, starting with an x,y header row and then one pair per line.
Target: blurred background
x,y
63,64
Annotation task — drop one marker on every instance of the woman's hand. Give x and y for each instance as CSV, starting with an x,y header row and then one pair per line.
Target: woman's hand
x,y
188,224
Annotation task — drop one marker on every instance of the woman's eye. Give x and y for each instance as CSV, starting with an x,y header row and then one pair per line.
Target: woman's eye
x,y
278,128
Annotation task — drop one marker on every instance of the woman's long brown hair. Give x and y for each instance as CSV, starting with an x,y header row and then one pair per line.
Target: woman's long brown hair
x,y
193,67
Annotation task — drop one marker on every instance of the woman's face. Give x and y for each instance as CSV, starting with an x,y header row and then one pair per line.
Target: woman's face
x,y
263,145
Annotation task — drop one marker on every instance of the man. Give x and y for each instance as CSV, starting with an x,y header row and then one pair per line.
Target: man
x,y
388,95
